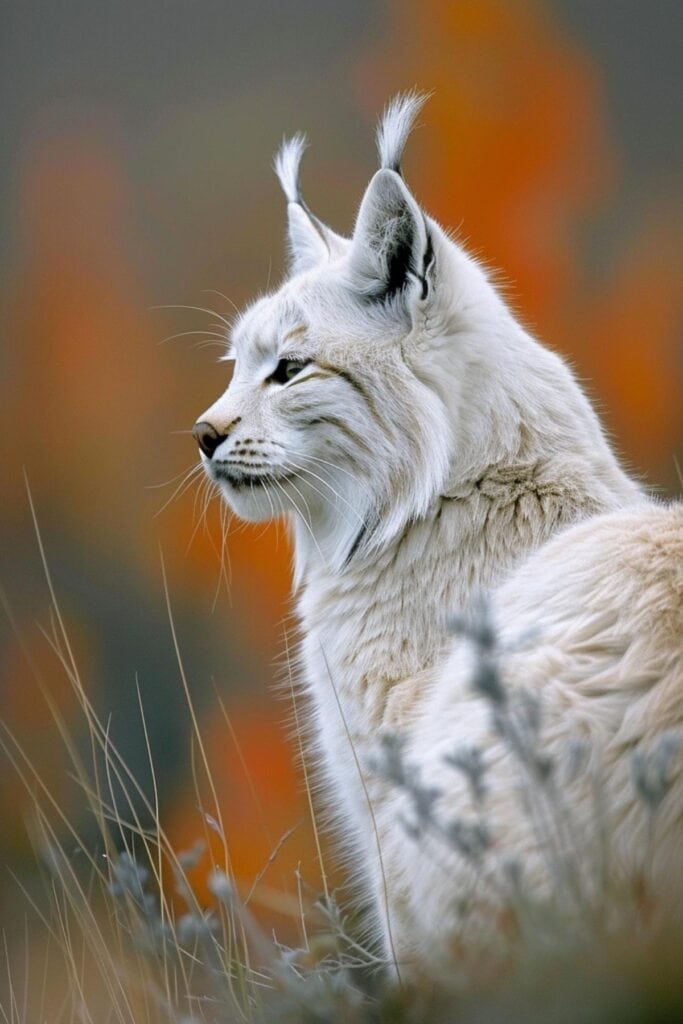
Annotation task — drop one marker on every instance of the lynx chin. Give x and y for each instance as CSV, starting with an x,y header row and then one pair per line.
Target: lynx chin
x,y
426,450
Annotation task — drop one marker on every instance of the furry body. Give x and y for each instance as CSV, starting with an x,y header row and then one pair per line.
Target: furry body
x,y
422,444
603,603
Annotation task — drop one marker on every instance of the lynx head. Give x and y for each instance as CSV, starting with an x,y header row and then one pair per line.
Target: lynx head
x,y
335,413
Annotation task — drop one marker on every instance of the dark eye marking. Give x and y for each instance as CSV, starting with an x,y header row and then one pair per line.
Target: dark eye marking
x,y
286,370
357,386
342,427
315,375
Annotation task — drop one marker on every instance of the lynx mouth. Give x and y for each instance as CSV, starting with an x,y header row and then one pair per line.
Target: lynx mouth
x,y
239,479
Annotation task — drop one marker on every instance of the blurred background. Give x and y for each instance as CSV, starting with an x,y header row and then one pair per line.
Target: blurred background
x,y
135,180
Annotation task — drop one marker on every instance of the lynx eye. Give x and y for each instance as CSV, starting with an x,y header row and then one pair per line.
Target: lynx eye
x,y
286,370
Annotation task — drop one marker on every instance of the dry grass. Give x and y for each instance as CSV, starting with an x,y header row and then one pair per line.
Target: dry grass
x,y
117,933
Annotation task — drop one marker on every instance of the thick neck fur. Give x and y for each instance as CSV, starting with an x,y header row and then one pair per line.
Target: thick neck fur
x,y
528,456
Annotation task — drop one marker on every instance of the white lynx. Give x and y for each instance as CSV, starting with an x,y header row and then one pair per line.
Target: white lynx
x,y
423,445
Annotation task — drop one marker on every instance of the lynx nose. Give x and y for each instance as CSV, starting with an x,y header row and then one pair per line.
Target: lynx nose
x,y
207,437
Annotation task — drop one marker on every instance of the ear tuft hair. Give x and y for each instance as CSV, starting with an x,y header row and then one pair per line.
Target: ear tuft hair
x,y
286,165
396,125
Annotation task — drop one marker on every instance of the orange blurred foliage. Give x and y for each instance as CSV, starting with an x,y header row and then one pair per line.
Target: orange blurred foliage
x,y
518,146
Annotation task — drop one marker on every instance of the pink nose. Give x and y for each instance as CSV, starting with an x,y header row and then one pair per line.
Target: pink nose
x,y
207,437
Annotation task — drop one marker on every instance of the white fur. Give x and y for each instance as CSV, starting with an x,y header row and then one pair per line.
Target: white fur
x,y
601,606
286,164
395,127
310,242
428,446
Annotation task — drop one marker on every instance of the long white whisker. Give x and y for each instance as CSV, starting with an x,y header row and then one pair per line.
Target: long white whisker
x,y
187,484
225,572
199,492
307,524
199,346
324,462
297,476
203,497
210,495
303,498
197,309
184,334
172,480
326,483
182,486
270,501
207,494
215,291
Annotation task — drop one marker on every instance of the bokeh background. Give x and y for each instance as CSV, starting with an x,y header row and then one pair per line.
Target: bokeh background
x,y
135,174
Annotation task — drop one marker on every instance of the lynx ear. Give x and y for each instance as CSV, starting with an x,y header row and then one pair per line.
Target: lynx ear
x,y
391,242
391,245
305,244
310,242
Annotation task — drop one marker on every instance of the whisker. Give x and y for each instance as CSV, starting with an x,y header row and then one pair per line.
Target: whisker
x,y
270,503
215,291
197,309
336,493
296,508
225,572
199,346
211,493
184,334
199,507
182,486
165,483
200,490
204,495
316,458
303,498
